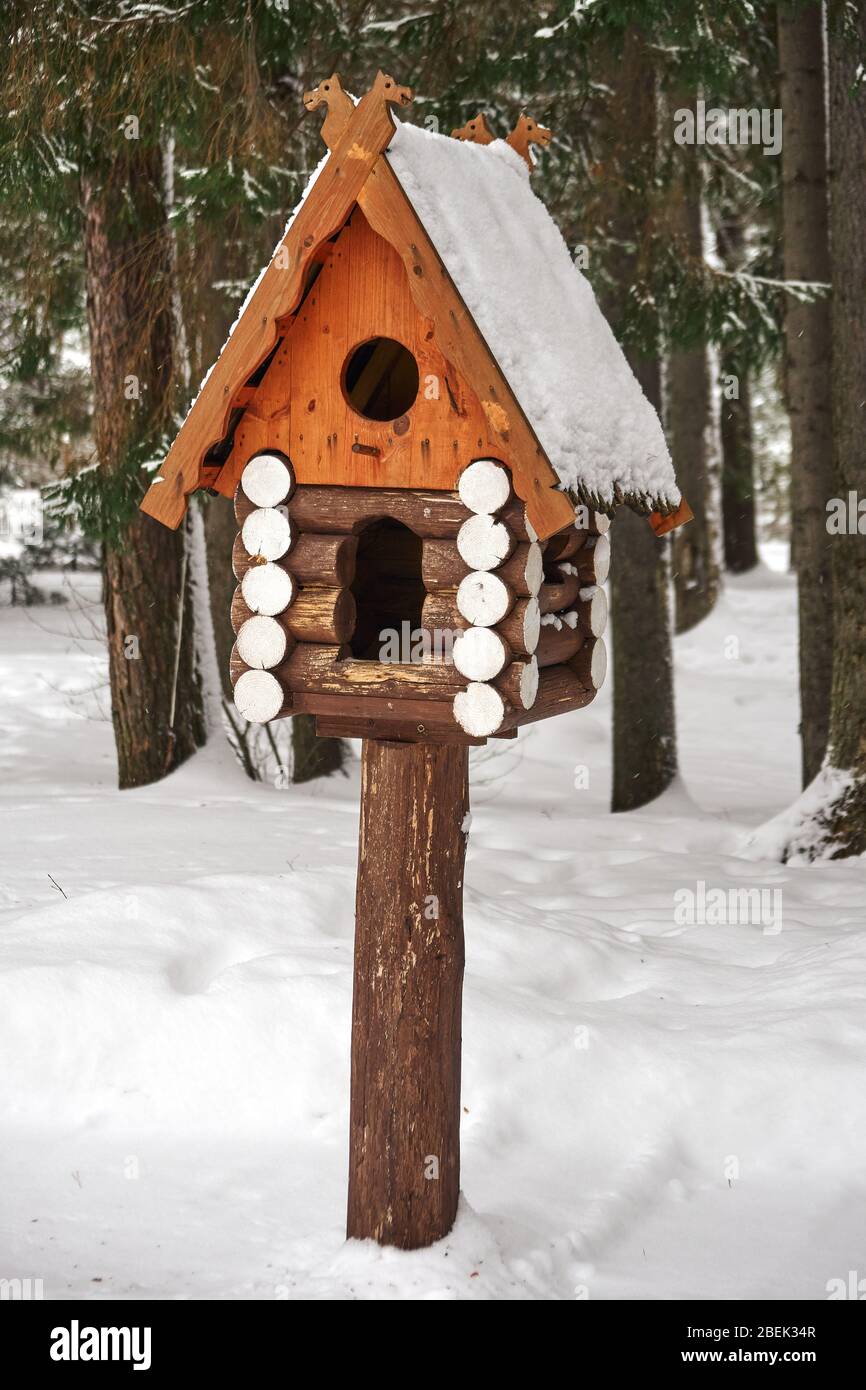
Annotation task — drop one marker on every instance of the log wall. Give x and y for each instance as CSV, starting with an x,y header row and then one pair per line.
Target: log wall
x,y
525,618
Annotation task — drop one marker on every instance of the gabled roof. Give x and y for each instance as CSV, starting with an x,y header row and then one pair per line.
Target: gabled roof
x,y
511,311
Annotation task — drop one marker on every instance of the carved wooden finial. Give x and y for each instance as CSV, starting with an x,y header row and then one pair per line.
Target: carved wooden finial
x,y
340,106
391,91
477,131
528,132
329,93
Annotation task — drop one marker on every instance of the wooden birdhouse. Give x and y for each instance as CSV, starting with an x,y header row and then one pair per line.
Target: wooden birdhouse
x,y
425,422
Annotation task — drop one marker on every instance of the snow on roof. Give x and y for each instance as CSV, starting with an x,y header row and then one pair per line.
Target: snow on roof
x,y
538,314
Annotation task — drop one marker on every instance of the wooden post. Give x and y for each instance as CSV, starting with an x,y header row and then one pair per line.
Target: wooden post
x,y
404,1146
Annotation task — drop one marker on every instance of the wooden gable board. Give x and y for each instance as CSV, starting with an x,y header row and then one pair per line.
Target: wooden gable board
x,y
299,408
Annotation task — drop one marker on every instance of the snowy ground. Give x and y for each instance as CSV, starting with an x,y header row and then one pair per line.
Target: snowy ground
x,y
652,1109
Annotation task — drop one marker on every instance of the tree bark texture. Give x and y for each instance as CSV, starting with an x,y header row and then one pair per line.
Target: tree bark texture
x,y
644,711
644,726
690,419
219,530
846,820
404,1154
807,362
738,477
128,283
313,756
739,524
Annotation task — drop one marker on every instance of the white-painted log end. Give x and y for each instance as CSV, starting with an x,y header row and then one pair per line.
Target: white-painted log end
x,y
483,598
268,480
267,532
594,609
529,683
262,643
483,543
267,589
258,696
534,571
531,625
598,664
601,558
479,710
480,654
484,486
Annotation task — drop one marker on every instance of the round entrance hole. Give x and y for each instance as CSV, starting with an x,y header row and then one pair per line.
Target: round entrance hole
x,y
380,379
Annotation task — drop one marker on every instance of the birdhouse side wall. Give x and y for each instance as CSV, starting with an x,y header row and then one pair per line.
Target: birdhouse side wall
x,y
476,612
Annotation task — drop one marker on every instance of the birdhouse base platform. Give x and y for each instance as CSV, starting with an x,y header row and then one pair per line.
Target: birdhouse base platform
x,y
399,730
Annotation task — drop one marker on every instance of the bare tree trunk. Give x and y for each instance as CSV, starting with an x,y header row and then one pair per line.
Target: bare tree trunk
x,y
807,362
644,714
738,477
845,820
644,726
689,415
220,529
155,690
690,418
404,1155
739,527
313,756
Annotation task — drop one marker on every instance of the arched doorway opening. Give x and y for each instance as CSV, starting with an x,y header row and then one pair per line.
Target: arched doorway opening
x,y
389,591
